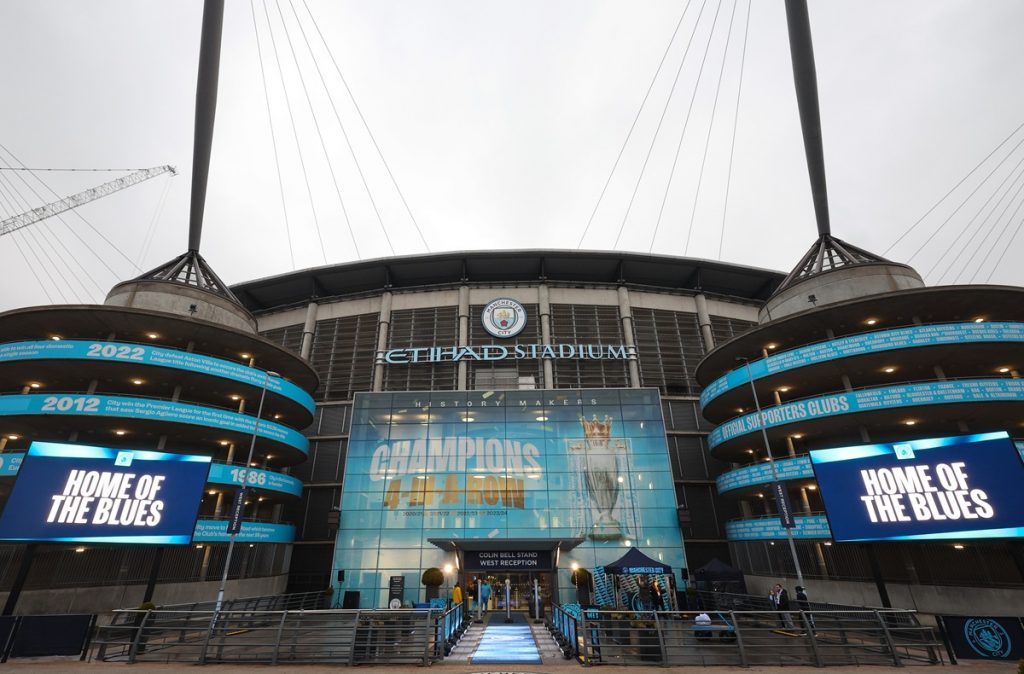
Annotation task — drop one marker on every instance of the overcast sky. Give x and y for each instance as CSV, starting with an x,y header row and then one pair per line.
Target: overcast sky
x,y
500,122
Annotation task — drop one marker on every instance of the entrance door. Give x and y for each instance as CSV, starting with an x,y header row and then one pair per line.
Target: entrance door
x,y
521,586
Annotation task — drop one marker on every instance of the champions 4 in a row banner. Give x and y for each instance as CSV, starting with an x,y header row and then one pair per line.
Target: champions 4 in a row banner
x,y
963,487
76,493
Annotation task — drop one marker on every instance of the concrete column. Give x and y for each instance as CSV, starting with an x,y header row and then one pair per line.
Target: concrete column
x,y
805,501
847,384
626,312
544,302
745,510
790,447
704,321
308,329
940,374
383,325
463,366
3,443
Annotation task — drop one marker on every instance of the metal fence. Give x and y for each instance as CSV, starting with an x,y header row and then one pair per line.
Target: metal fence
x,y
412,636
818,638
297,601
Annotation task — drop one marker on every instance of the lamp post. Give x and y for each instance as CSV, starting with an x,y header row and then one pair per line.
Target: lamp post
x,y
447,569
576,579
244,475
771,464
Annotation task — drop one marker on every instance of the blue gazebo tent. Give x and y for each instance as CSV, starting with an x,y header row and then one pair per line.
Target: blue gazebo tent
x,y
636,562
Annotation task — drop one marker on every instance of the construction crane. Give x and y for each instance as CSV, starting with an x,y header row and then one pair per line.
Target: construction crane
x,y
16,222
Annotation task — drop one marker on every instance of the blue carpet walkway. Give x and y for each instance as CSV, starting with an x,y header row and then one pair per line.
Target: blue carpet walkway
x,y
503,643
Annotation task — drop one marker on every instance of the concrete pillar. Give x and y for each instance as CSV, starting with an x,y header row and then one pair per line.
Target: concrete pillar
x,y
704,321
308,329
940,374
544,302
626,313
3,443
383,325
805,501
847,384
790,447
745,510
463,366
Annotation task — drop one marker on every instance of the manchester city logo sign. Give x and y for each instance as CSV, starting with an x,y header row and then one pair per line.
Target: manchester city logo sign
x,y
504,318
987,637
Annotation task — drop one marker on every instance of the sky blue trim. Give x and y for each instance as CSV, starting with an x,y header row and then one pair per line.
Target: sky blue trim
x,y
65,450
141,354
144,540
769,528
1005,532
252,532
820,456
286,484
220,473
795,468
130,407
866,400
865,343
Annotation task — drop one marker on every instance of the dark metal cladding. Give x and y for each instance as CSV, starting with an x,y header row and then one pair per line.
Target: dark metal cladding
x,y
806,80
206,109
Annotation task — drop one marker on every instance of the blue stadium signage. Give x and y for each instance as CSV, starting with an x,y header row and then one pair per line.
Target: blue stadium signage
x,y
866,400
85,494
858,345
131,407
492,352
141,354
929,489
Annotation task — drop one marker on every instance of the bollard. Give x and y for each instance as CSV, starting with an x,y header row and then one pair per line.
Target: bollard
x,y
537,620
479,601
508,601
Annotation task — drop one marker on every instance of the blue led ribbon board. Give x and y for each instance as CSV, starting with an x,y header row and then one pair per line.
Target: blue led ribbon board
x,y
962,487
76,493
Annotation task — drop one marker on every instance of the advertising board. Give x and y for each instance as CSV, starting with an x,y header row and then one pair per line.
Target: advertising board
x,y
84,494
957,487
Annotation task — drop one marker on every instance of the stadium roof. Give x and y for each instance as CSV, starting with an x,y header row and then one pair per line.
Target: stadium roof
x,y
512,266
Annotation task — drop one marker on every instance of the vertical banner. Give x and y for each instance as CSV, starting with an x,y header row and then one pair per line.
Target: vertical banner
x,y
237,511
784,506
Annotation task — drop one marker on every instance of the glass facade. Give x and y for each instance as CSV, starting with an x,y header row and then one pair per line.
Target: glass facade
x,y
586,464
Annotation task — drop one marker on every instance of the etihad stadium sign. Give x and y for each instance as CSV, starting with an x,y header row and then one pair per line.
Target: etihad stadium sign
x,y
493,352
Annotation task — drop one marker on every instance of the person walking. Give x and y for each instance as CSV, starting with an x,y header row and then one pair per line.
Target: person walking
x,y
485,595
457,595
804,605
780,598
471,592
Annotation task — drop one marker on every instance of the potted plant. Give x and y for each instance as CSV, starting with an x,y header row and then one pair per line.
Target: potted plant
x,y
433,578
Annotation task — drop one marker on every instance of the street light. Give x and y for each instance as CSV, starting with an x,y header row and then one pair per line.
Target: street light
x,y
448,568
576,579
244,478
775,472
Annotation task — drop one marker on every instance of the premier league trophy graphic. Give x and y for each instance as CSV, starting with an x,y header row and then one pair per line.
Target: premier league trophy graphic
x,y
602,476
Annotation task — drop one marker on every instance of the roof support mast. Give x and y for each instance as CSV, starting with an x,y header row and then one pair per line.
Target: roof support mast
x,y
805,79
206,111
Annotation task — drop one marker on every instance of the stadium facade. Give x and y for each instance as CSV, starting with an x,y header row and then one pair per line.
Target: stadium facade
x,y
514,412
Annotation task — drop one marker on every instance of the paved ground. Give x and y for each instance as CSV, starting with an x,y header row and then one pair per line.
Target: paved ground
x,y
55,665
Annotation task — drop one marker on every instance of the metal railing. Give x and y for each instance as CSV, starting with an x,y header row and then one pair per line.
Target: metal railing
x,y
818,638
449,627
297,601
563,628
373,636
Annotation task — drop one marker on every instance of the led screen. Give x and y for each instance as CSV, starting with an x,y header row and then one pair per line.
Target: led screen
x,y
588,465
83,494
969,486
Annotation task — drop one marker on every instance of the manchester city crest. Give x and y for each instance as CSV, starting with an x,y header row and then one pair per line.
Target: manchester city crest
x,y
987,637
504,318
